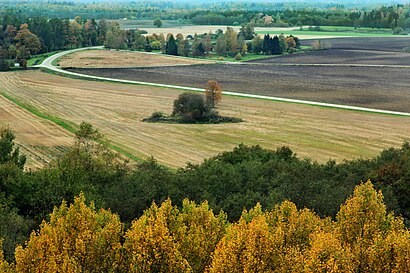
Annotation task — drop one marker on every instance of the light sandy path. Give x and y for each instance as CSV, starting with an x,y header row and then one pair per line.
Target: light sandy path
x,y
48,65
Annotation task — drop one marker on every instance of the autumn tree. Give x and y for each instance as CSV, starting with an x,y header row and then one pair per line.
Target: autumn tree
x,y
183,47
166,239
213,93
149,244
257,44
363,224
231,39
24,38
76,239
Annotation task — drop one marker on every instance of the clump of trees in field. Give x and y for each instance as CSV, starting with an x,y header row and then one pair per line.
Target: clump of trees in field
x,y
229,182
195,108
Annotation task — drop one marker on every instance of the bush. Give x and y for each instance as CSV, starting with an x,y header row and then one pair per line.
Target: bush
x,y
156,45
157,117
4,65
406,49
399,31
190,107
238,57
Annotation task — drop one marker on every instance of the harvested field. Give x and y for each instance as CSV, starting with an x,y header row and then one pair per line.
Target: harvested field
x,y
369,51
373,87
386,88
40,140
113,58
117,110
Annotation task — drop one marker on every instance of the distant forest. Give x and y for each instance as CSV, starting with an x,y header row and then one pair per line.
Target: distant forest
x,y
226,13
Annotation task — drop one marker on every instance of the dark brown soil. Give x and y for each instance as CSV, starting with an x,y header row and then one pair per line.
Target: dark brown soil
x,y
374,87
373,51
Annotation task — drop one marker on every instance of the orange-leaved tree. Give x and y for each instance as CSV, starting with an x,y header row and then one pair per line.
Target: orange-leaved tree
x,y
213,93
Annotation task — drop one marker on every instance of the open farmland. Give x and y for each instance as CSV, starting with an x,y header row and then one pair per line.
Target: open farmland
x,y
117,110
113,58
40,140
370,85
368,51
373,87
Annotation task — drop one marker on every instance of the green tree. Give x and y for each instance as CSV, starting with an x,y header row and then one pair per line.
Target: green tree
x,y
8,152
171,47
158,23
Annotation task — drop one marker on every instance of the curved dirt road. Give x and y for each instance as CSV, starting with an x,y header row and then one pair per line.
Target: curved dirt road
x,y
47,64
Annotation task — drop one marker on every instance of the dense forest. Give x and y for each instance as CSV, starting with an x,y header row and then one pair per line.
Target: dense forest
x,y
261,13
230,182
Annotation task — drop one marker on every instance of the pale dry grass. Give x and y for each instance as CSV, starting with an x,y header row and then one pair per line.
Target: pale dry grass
x,y
117,110
40,140
114,58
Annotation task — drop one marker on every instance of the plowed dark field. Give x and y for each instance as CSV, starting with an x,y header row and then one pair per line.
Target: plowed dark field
x,y
375,87
372,51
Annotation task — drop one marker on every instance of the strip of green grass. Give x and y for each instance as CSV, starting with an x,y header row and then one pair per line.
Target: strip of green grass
x,y
38,59
67,125
327,33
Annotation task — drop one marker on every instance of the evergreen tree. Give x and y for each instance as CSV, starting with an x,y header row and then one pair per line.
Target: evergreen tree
x,y
171,48
275,46
266,45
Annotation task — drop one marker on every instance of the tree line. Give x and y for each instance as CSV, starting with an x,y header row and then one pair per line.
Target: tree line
x,y
365,14
228,43
78,238
230,182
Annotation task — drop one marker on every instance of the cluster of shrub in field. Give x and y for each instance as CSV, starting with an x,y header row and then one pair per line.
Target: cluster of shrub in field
x,y
78,238
195,108
230,182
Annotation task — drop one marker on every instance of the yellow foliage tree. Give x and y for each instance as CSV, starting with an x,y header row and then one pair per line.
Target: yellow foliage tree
x,y
327,254
198,231
266,242
77,239
378,241
165,239
149,244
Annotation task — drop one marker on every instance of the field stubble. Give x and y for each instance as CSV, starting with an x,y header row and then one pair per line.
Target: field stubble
x,y
40,140
117,110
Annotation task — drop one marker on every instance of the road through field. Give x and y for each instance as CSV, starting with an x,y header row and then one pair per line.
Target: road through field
x,y
48,64
117,111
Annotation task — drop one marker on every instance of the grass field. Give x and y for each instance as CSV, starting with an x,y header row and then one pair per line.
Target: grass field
x,y
331,32
113,58
117,110
40,140
38,59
